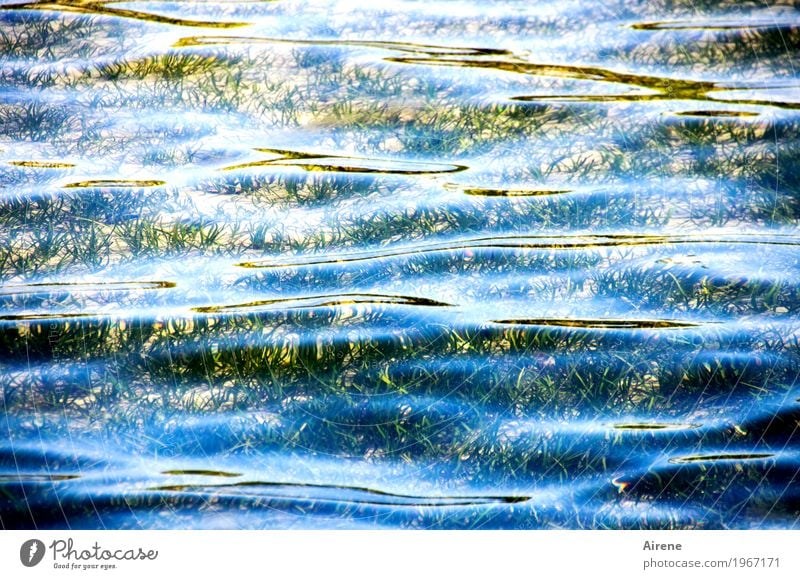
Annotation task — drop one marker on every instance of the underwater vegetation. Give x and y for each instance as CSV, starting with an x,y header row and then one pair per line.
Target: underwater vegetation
x,y
425,265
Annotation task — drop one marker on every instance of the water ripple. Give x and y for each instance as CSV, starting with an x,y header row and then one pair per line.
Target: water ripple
x,y
341,164
324,301
106,8
357,495
376,266
566,242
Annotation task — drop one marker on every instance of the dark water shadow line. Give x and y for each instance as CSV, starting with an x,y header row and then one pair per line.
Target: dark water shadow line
x,y
600,323
372,496
716,114
497,192
201,472
655,426
324,301
653,97
739,456
410,47
517,242
338,163
102,8
83,287
694,25
705,96
253,307
664,88
35,478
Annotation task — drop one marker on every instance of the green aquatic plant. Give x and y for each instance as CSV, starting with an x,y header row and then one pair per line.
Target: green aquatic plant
x,y
545,277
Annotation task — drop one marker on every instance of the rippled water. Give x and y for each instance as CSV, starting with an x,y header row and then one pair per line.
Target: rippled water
x,y
433,264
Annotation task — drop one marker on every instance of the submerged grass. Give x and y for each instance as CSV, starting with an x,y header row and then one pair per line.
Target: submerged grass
x,y
505,273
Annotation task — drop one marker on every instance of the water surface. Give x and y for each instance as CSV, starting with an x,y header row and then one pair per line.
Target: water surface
x,y
283,264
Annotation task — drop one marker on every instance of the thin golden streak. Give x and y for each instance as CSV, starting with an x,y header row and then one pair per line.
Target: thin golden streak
x,y
71,287
34,317
327,301
684,25
483,192
720,457
102,8
113,183
42,164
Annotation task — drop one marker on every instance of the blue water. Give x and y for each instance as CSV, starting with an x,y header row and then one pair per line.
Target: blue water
x,y
441,264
